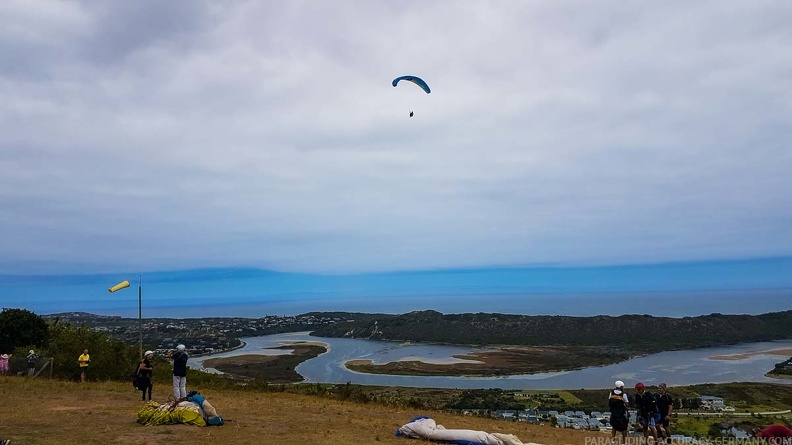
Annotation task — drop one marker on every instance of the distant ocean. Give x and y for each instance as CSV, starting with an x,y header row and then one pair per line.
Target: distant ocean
x,y
672,290
660,304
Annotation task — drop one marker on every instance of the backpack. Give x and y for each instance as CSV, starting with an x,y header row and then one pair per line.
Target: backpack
x,y
646,404
616,404
136,378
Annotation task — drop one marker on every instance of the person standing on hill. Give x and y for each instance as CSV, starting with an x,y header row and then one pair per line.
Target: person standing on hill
x,y
619,416
179,372
83,360
31,362
145,371
646,403
665,405
4,364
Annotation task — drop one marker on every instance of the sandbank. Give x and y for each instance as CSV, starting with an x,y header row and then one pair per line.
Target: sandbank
x,y
786,352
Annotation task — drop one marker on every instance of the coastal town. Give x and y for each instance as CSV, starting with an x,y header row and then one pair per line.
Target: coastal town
x,y
565,409
705,406
200,335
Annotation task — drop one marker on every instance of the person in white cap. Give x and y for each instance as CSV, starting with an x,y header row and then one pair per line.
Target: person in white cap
x,y
145,370
31,362
620,417
179,372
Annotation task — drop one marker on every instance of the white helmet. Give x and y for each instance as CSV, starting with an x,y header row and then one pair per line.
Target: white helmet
x,y
180,347
619,384
148,353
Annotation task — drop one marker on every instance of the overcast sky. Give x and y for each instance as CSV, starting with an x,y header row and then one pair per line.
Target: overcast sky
x,y
149,135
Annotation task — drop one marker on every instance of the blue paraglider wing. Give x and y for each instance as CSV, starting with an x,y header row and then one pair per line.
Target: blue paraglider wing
x,y
416,80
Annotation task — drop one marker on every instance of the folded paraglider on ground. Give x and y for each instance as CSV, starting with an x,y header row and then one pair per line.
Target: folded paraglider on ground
x,y
191,410
423,427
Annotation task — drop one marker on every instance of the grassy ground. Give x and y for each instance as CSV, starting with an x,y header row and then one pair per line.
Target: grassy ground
x,y
40,411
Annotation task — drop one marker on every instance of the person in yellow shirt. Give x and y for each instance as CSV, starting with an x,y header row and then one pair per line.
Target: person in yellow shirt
x,y
83,360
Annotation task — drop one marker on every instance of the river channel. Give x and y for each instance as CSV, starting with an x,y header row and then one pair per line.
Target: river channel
x,y
738,363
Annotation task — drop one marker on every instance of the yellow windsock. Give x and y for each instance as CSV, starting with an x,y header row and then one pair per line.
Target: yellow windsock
x,y
119,286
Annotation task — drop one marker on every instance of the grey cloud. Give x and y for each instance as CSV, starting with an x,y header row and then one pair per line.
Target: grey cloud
x,y
268,135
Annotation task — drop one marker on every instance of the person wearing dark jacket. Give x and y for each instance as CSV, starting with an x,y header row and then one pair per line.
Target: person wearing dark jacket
x,y
646,403
145,371
665,406
32,357
179,372
619,416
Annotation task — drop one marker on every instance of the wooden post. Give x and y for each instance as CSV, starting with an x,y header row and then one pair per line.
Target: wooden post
x,y
48,362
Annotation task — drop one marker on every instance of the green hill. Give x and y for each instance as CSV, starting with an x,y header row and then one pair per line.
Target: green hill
x,y
627,333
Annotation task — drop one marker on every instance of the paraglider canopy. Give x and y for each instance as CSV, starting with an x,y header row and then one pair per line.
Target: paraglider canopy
x,y
416,80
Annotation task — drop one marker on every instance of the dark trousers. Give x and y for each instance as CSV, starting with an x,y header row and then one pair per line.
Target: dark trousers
x,y
145,386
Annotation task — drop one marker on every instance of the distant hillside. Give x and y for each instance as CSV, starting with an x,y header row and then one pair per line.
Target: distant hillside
x,y
638,333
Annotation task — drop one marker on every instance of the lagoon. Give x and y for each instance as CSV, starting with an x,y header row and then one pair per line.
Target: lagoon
x,y
738,363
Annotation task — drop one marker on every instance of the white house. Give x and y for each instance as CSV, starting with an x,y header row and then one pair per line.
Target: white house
x,y
712,402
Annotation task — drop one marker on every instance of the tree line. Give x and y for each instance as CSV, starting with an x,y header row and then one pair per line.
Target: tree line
x,y
625,333
22,330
